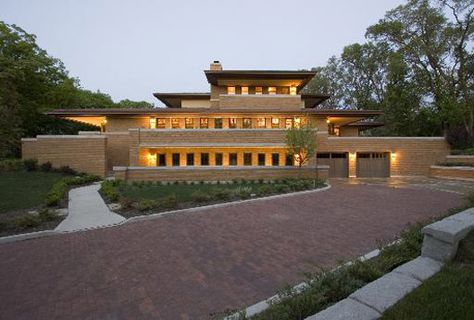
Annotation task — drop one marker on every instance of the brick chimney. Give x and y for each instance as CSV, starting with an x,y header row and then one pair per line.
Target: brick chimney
x,y
216,66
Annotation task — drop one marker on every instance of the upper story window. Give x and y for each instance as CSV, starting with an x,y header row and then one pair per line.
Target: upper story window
x,y
293,90
275,123
244,90
232,123
218,123
247,123
175,123
230,90
272,90
261,123
204,123
189,123
161,123
297,122
284,90
258,90
152,123
288,123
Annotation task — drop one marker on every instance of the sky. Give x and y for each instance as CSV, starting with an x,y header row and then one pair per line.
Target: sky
x,y
130,49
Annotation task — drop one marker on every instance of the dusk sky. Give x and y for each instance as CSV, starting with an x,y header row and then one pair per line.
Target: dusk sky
x,y
130,49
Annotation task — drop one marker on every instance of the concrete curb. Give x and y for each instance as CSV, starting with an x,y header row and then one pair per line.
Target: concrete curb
x,y
27,236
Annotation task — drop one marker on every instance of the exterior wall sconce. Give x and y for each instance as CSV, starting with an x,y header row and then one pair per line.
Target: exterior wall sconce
x,y
152,123
328,120
393,156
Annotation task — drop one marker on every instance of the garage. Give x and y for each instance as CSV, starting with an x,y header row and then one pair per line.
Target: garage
x,y
338,164
373,165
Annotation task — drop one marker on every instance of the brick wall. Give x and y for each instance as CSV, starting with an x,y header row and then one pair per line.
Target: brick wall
x,y
84,153
125,123
270,102
461,173
460,159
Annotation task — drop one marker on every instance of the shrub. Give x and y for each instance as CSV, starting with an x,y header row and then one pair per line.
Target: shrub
x,y
109,188
469,151
28,221
265,189
67,170
244,192
126,203
11,165
470,199
59,189
146,204
46,167
282,188
168,202
220,193
47,215
31,164
200,196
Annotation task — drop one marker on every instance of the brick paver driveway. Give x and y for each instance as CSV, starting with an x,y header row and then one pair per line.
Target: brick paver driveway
x,y
188,266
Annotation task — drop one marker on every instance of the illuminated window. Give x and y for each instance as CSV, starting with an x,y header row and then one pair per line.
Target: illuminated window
x,y
258,90
275,122
152,159
272,90
230,90
288,123
247,123
204,123
175,123
284,90
297,122
161,123
244,90
261,123
189,123
232,123
152,123
218,123
297,159
293,91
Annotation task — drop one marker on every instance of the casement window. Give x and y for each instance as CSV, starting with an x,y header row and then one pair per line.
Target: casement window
x,y
247,123
175,159
275,159
219,158
152,123
288,123
261,159
204,123
261,123
175,123
247,159
288,160
190,159
189,123
297,122
232,159
161,123
232,123
230,90
218,123
284,90
258,90
204,159
244,90
275,123
161,160
293,90
272,90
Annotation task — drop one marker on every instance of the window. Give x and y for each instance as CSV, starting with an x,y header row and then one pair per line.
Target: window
x,y
288,123
175,123
204,159
297,122
293,90
161,160
261,123
189,123
288,160
275,122
152,159
152,123
272,90
247,123
244,90
258,90
247,159
275,159
232,159
261,159
204,123
218,123
232,123
175,159
230,90
284,90
161,123
219,159
190,159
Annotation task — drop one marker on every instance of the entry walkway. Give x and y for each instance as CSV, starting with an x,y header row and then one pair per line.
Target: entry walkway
x,y
87,210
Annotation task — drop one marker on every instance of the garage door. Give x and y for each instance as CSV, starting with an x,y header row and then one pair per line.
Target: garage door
x,y
373,164
338,164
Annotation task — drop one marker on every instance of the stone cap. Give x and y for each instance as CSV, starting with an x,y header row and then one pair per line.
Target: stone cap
x,y
453,228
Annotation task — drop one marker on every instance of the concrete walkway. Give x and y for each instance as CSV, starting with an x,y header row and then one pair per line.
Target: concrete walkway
x,y
87,210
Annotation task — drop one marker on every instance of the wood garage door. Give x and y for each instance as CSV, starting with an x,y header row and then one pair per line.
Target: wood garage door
x,y
338,164
373,165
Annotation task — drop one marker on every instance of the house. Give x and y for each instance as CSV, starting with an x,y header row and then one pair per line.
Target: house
x,y
236,130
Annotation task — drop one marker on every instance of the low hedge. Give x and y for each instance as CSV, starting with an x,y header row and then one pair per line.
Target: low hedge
x,y
466,152
59,189
455,164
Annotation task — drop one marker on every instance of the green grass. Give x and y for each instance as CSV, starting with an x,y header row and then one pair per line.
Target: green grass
x,y
23,190
447,295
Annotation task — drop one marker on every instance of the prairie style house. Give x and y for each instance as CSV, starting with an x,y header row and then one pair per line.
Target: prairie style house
x,y
237,130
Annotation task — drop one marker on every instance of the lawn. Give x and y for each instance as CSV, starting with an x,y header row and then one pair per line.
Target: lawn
x,y
447,295
22,189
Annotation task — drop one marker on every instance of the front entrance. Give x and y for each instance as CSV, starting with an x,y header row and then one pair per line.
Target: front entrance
x,y
373,165
338,164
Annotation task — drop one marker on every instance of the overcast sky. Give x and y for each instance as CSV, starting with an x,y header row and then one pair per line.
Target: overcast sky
x,y
130,49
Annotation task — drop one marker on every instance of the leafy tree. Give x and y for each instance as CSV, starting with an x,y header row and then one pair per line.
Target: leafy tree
x,y
301,143
134,104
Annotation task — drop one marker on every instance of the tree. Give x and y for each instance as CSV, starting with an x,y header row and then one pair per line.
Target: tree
x,y
301,143
134,104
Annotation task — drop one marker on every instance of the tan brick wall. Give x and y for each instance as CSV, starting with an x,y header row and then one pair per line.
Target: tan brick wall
x,y
461,173
215,174
349,132
83,153
118,149
268,102
125,123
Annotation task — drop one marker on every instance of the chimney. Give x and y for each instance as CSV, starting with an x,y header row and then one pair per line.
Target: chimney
x,y
216,66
